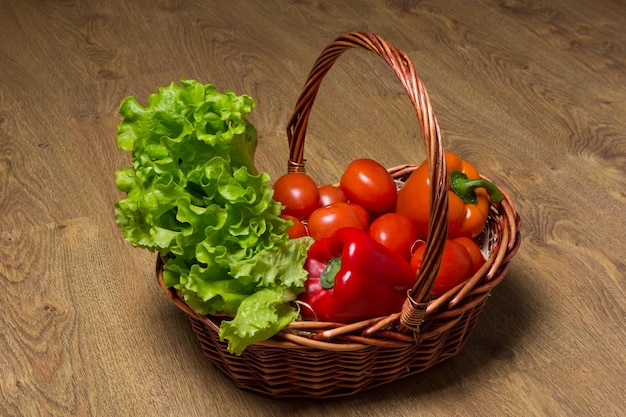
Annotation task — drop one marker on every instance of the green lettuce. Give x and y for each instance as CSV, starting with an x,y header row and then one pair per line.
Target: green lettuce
x,y
194,194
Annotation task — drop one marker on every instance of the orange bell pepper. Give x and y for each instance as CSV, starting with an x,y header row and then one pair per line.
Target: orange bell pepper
x,y
468,198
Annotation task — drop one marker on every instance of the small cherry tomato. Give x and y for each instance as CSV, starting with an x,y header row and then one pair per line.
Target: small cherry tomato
x,y
396,232
369,184
362,213
298,193
325,220
330,194
298,229
456,266
478,260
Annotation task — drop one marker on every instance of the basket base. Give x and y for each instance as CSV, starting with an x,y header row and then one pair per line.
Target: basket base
x,y
301,372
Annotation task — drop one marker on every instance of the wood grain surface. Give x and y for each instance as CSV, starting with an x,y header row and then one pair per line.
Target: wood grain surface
x,y
532,92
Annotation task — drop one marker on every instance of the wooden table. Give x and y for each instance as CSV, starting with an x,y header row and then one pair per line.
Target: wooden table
x,y
534,93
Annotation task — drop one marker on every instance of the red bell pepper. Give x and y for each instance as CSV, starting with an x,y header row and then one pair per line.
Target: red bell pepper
x,y
352,277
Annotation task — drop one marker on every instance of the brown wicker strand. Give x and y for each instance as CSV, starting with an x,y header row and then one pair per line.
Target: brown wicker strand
x,y
381,324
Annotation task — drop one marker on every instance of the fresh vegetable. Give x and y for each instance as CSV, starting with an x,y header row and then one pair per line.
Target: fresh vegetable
x,y
297,229
457,264
396,232
330,194
363,214
477,256
194,194
324,221
468,201
298,192
369,184
352,277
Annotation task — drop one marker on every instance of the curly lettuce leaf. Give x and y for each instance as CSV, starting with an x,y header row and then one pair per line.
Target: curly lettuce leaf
x,y
194,194
260,316
280,265
192,148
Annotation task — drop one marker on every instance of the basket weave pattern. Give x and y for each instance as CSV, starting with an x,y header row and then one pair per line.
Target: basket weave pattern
x,y
318,359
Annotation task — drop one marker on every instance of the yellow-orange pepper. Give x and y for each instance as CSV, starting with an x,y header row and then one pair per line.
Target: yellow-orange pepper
x,y
468,201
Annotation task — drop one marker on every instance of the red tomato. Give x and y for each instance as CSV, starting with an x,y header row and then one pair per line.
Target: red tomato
x,y
325,220
369,184
298,229
478,259
362,213
330,194
456,266
298,193
396,232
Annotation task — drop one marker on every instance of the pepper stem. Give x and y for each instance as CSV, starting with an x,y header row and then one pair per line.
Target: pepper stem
x,y
327,277
466,188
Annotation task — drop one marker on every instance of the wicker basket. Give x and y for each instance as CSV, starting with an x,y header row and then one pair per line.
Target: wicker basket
x,y
318,359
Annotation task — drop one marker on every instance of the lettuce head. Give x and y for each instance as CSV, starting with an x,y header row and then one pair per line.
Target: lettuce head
x,y
194,194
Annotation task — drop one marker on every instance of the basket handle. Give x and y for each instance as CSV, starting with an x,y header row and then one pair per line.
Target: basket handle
x,y
415,305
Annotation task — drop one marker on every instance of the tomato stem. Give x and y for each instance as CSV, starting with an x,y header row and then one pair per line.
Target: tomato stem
x,y
465,188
